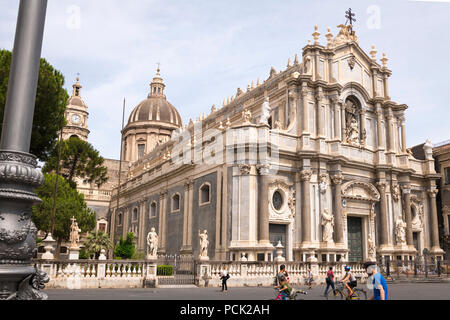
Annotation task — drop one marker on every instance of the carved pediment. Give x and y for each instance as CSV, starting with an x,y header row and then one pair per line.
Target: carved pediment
x,y
358,190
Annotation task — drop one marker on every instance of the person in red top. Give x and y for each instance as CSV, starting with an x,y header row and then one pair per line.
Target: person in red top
x,y
330,281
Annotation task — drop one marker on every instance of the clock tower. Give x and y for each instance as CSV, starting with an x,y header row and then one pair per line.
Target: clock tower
x,y
76,115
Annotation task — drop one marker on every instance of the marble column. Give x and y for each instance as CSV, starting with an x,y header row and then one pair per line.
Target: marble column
x,y
190,215
162,220
337,207
337,108
320,116
403,135
380,129
383,214
264,205
187,187
391,147
407,203
142,235
305,113
434,220
305,177
125,222
343,124
363,127
386,87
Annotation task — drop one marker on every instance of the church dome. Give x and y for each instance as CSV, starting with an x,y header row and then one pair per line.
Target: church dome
x,y
156,107
150,124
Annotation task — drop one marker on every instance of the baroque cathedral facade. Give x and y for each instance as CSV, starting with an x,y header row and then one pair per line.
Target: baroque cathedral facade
x,y
313,158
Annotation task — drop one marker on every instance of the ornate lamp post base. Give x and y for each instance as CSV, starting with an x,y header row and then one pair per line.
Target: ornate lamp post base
x,y
19,175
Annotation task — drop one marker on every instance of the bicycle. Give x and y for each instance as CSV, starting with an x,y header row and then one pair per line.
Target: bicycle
x,y
309,282
295,294
341,292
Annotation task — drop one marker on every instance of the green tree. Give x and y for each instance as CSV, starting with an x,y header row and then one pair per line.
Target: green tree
x,y
125,248
69,203
51,99
95,242
78,159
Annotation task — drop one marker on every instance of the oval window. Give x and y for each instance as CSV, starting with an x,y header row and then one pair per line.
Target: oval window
x,y
277,200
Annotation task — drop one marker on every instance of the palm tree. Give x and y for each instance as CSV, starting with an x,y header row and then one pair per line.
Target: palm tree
x,y
95,242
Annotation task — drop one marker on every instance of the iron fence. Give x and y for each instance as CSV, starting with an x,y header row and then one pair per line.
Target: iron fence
x,y
422,267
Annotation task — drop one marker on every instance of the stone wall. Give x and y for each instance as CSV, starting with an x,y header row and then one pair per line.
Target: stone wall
x,y
175,221
204,216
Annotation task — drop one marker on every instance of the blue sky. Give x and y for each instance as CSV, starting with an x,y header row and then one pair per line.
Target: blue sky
x,y
209,48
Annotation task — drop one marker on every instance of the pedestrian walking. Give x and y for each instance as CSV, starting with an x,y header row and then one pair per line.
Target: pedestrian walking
x,y
224,276
330,281
380,288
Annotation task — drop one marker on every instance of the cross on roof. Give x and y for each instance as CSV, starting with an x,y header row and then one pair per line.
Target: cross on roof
x,y
349,15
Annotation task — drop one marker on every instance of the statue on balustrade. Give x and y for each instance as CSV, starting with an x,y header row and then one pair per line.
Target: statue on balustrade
x,y
203,244
74,233
265,112
152,243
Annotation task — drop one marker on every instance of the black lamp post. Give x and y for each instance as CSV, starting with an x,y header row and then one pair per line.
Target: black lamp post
x,y
19,175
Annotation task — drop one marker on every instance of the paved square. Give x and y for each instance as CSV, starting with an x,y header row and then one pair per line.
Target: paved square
x,y
407,291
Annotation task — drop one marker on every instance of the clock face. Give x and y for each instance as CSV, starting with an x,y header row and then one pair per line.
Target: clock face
x,y
76,119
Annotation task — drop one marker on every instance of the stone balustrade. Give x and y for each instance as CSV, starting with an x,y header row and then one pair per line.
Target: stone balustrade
x,y
91,274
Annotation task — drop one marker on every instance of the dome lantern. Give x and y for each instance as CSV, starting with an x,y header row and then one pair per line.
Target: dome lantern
x,y
157,85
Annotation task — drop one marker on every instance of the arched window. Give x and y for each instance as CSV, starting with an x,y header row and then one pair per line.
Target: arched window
x,y
153,210
176,203
135,214
205,194
141,150
119,218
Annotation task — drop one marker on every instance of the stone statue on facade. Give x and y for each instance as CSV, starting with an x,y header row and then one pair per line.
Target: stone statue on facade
x,y
323,184
203,244
152,243
265,111
371,248
353,133
74,234
247,116
400,233
328,224
416,222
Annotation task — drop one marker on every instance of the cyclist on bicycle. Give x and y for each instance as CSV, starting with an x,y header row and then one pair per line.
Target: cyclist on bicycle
x,y
349,281
283,273
284,288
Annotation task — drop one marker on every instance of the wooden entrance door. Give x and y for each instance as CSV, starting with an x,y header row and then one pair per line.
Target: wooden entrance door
x,y
355,241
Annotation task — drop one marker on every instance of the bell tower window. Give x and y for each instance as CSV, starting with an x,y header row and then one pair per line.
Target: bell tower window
x,y
141,150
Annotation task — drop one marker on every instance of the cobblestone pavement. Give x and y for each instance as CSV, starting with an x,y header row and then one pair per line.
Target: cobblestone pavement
x,y
403,291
